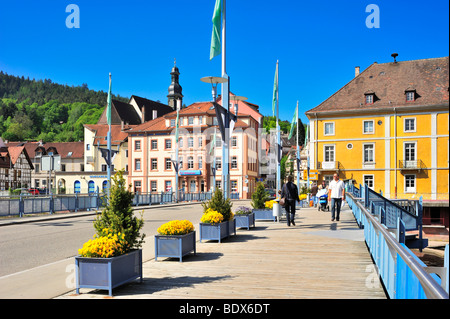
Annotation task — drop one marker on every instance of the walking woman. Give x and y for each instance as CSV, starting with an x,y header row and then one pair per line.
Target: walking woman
x,y
289,191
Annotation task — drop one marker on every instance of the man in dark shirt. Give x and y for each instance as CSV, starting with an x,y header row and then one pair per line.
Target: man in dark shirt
x,y
289,191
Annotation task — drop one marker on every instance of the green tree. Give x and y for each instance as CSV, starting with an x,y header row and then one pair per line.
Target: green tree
x,y
260,196
219,204
118,215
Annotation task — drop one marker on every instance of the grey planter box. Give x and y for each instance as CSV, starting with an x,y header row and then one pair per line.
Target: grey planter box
x,y
232,227
245,221
108,273
174,246
263,214
214,231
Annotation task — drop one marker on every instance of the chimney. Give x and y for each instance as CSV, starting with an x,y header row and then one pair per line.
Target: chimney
x,y
121,125
356,71
155,114
143,114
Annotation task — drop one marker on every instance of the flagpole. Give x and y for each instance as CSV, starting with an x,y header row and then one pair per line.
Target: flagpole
x,y
279,150
226,105
109,136
177,165
298,156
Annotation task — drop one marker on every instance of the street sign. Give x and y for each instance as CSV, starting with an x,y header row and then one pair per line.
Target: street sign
x,y
51,162
313,174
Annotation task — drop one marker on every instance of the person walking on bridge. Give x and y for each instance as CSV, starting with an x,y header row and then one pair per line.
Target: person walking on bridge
x,y
289,191
336,193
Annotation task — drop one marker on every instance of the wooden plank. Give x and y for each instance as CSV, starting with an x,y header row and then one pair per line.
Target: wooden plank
x,y
315,259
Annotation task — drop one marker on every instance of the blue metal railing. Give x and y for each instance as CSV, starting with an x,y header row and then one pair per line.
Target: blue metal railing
x,y
35,204
403,274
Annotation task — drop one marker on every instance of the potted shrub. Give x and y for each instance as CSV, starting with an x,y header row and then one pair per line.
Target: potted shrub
x,y
209,228
244,217
259,199
114,256
176,239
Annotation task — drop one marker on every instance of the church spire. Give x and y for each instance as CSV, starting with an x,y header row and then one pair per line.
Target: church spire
x,y
175,89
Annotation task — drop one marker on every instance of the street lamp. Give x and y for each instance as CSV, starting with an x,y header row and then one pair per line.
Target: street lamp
x,y
223,119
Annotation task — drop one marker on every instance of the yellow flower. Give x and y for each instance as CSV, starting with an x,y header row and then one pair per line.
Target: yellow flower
x,y
211,217
176,227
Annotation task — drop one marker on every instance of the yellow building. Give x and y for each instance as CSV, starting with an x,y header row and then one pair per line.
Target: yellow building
x,y
388,128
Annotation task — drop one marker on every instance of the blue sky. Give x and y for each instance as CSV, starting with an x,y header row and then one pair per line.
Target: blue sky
x,y
318,44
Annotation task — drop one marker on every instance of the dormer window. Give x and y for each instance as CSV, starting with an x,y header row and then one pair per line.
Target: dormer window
x,y
370,97
410,96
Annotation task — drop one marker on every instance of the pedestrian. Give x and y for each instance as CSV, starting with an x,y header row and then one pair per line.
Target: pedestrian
x,y
289,192
314,190
336,193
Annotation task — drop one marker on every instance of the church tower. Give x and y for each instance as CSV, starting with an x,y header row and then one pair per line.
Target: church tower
x,y
175,90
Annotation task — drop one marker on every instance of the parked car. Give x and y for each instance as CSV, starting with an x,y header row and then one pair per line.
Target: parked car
x,y
33,191
272,193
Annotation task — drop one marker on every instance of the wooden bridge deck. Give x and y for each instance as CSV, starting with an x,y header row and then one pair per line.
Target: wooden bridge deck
x,y
316,259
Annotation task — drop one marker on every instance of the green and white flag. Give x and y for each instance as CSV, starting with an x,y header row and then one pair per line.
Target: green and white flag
x,y
275,91
294,122
108,110
213,143
217,26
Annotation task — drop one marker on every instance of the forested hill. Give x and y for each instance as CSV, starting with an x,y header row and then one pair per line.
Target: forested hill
x,y
35,110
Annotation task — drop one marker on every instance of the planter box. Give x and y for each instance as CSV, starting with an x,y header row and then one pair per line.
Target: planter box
x,y
232,227
245,221
263,214
108,273
214,231
174,246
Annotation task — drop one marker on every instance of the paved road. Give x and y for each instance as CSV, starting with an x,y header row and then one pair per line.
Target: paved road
x,y
36,259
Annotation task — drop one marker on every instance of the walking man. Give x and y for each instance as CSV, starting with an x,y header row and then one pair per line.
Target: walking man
x,y
336,193
289,191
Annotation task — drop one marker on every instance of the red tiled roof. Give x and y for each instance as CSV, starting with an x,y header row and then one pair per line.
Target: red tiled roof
x,y
198,108
389,81
101,131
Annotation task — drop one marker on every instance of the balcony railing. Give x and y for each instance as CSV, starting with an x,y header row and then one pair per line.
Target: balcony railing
x,y
330,166
411,165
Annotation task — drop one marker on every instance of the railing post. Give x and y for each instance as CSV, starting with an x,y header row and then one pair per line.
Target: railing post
x,y
21,206
52,203
76,202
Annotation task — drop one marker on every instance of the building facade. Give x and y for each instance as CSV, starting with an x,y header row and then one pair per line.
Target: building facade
x,y
152,147
388,128
15,167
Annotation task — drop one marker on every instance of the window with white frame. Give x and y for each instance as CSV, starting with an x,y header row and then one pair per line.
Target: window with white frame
x,y
218,141
154,163
368,127
234,163
190,162
369,98
168,143
172,123
410,183
154,144
137,164
329,153
410,151
137,145
329,128
168,164
234,187
200,162
190,120
410,96
218,162
153,187
410,124
190,142
369,153
168,186
200,141
234,141
369,181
